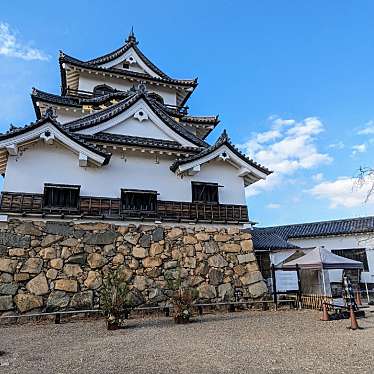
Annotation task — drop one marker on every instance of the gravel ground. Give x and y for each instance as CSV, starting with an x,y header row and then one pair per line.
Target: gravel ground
x,y
245,342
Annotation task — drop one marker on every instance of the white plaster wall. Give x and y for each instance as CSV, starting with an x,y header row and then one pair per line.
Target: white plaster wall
x,y
64,116
343,242
87,82
133,127
41,163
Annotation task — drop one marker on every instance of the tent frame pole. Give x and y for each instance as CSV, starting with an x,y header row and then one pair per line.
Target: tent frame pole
x,y
323,281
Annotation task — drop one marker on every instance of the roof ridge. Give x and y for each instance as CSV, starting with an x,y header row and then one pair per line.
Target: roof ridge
x,y
316,222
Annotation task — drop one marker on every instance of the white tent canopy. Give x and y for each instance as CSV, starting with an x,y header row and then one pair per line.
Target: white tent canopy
x,y
321,258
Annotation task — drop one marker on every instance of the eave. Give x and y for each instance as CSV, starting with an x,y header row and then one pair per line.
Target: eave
x,y
248,169
48,130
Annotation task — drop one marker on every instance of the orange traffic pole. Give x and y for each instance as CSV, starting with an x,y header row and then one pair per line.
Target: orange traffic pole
x,y
325,313
354,324
358,298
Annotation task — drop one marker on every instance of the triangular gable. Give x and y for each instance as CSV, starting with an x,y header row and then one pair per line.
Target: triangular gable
x,y
49,131
222,150
138,120
136,110
134,62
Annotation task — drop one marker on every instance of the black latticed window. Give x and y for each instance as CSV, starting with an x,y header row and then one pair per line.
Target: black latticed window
x,y
61,196
139,200
357,254
204,192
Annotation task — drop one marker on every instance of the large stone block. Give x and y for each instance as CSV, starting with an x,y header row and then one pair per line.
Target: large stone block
x,y
8,288
145,240
27,228
6,303
248,257
152,262
246,245
207,291
57,228
217,261
215,276
7,265
82,300
26,302
17,252
14,240
57,300
57,263
72,270
68,285
101,238
231,248
50,239
158,234
257,289
250,278
38,285
96,260
93,280
225,292
174,233
139,252
47,253
33,265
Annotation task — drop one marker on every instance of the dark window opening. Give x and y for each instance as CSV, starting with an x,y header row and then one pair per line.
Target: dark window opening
x,y
60,196
204,192
357,254
102,89
139,200
125,65
263,260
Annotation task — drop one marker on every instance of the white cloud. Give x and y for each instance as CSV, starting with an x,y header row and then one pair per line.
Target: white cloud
x,y
338,145
11,47
342,192
317,177
358,148
367,129
287,147
273,206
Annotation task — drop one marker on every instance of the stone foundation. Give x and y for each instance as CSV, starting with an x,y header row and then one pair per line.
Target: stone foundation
x,y
48,266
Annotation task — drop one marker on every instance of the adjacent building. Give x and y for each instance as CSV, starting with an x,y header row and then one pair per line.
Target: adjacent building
x,y
350,238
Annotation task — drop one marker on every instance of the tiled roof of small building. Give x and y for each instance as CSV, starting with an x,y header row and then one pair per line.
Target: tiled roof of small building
x,y
222,140
324,228
266,241
112,111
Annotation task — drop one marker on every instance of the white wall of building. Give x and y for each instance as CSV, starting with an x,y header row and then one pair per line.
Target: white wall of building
x,y
40,163
343,242
87,82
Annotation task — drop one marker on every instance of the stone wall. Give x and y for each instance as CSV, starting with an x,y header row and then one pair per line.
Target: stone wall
x,y
49,266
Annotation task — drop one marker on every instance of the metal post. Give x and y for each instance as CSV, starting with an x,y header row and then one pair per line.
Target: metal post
x,y
324,283
367,292
274,281
299,285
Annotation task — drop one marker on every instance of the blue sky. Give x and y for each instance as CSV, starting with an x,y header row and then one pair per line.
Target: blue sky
x,y
292,82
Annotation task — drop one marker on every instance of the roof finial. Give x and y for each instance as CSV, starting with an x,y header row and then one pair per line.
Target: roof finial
x,y
131,38
223,138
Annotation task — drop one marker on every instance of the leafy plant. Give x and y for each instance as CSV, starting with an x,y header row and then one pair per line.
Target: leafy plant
x,y
114,299
182,298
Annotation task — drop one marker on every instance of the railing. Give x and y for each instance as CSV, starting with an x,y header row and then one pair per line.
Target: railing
x,y
314,301
104,207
